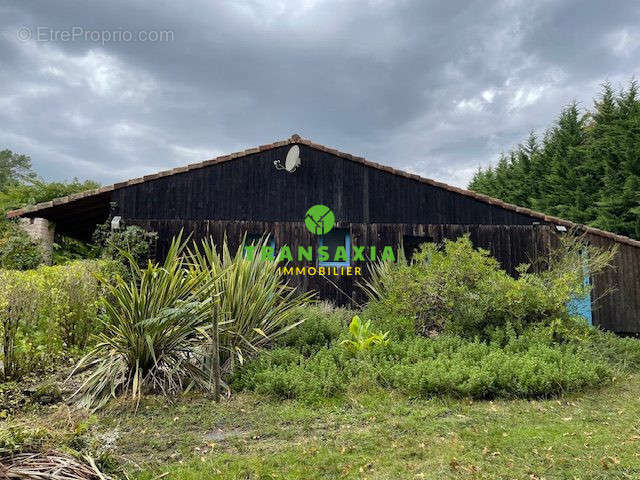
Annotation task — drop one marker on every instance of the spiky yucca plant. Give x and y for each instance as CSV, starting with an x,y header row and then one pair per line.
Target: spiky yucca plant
x,y
254,304
153,332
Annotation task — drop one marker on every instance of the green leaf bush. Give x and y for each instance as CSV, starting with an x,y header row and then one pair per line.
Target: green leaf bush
x,y
48,312
362,338
323,325
480,370
254,304
152,334
118,245
456,288
457,325
17,250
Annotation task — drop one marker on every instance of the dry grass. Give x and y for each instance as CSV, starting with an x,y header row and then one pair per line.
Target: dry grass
x,y
49,466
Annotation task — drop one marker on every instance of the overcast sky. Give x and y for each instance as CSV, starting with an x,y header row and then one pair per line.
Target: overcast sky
x,y
117,89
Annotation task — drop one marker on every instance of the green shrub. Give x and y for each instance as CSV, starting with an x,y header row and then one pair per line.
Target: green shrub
x,y
278,359
47,312
481,370
424,367
67,249
159,325
73,293
18,306
285,373
153,334
622,353
502,336
253,303
131,241
322,327
17,250
385,319
462,290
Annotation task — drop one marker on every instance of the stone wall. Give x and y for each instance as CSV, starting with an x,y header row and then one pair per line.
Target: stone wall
x,y
42,231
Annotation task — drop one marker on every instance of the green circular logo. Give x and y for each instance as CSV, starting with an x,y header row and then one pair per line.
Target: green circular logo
x,y
319,219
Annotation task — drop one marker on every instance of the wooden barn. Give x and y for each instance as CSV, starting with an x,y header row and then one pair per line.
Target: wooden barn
x,y
251,193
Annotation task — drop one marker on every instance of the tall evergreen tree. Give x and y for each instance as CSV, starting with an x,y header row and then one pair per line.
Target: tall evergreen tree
x,y
565,158
616,144
586,169
528,158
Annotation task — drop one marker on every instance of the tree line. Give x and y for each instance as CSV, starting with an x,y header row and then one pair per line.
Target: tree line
x,y
20,186
585,168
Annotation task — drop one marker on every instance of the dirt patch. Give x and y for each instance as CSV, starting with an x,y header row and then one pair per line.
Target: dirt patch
x,y
220,435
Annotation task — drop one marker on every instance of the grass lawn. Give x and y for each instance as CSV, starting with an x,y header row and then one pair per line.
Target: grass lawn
x,y
375,435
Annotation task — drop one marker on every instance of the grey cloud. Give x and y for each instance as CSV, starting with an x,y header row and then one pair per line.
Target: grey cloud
x,y
434,87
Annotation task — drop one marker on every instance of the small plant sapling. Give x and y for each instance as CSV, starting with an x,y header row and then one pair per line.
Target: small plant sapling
x,y
361,337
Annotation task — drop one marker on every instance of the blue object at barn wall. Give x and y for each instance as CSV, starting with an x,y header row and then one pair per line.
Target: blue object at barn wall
x,y
582,306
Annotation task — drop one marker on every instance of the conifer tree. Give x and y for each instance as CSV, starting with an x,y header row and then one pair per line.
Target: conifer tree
x,y
585,169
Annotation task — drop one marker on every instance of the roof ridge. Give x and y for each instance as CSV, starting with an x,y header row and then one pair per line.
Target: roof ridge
x,y
295,138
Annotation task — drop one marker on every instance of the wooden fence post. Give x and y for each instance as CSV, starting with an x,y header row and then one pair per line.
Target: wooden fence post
x,y
216,359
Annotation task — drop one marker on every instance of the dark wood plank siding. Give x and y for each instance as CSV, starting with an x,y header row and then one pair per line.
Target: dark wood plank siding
x,y
616,292
511,245
250,188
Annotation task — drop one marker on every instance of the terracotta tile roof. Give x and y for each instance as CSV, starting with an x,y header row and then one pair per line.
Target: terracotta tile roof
x,y
302,141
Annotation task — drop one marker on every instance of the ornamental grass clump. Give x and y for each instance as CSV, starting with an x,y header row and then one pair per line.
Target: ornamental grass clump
x,y
253,305
153,332
186,322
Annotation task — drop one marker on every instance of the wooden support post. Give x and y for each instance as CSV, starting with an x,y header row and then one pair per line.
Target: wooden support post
x,y
216,359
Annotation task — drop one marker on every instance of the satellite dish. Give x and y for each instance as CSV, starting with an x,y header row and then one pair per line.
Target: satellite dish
x,y
292,162
293,159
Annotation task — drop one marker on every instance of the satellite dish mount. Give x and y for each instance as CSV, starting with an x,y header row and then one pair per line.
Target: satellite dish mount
x,y
292,162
